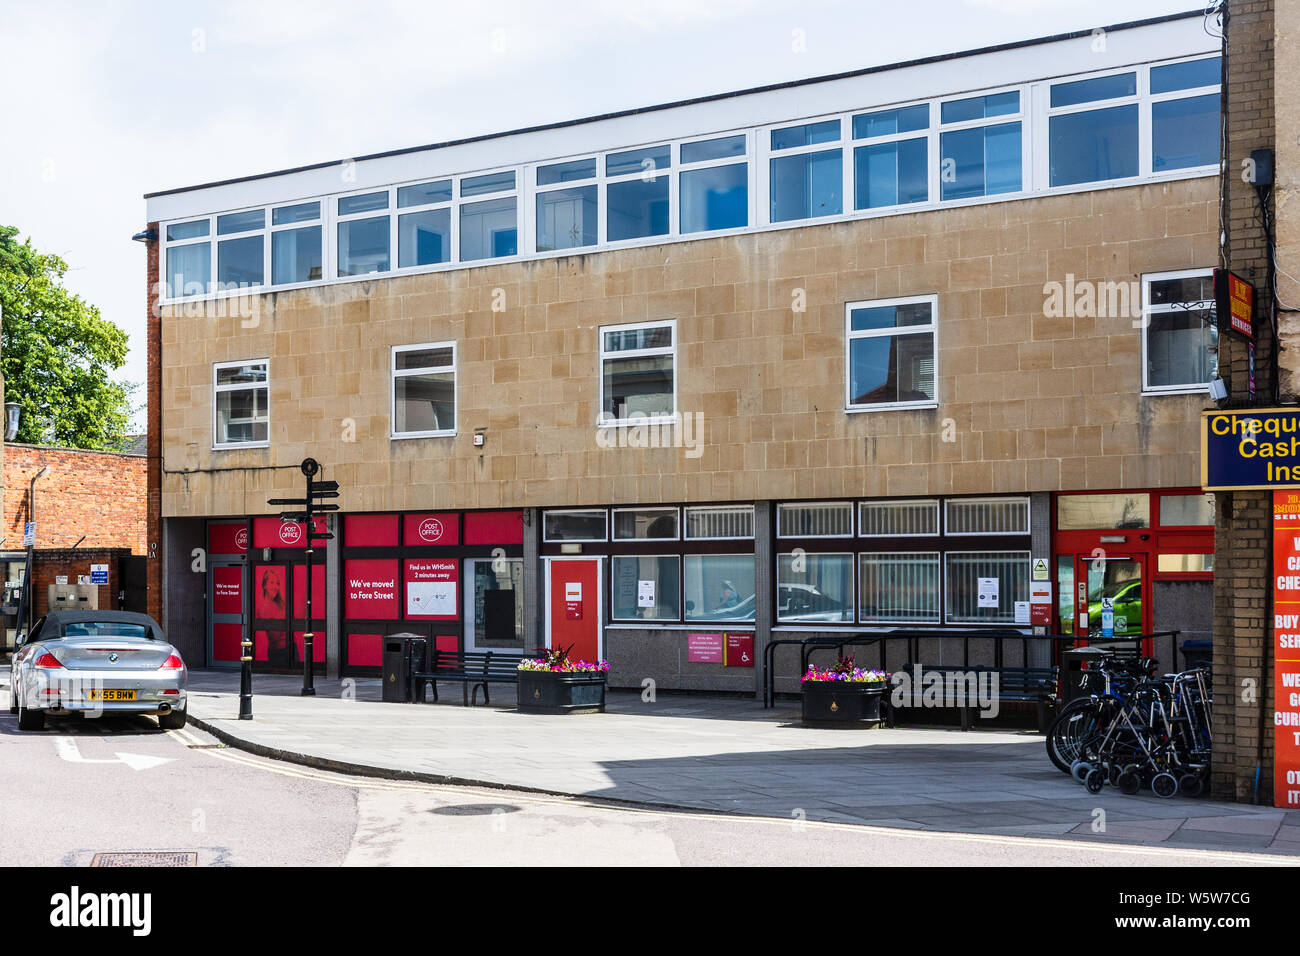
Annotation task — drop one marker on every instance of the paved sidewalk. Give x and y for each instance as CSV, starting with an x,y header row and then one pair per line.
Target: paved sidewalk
x,y
724,754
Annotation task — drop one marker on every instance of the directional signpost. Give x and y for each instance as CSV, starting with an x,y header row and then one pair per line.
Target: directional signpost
x,y
306,510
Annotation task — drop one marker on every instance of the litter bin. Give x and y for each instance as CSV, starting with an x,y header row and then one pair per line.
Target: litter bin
x,y
1198,653
1072,679
403,653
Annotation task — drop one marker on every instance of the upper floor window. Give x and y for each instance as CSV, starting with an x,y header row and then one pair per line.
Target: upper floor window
x,y
806,171
1185,114
241,400
363,236
1180,338
424,224
424,390
891,353
636,193
189,258
638,380
567,209
979,150
489,226
1093,129
296,254
241,249
713,186
892,167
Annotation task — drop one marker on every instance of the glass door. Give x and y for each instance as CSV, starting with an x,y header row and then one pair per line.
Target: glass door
x,y
1110,585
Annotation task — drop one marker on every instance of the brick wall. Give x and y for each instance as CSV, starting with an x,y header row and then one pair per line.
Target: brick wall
x,y
100,495
54,562
153,443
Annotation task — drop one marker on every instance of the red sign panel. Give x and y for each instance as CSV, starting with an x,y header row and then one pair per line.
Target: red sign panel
x,y
317,646
227,594
431,529
269,591
494,527
1286,649
1235,301
370,589
226,641
431,589
365,650
370,531
739,651
228,538
274,533
704,648
317,591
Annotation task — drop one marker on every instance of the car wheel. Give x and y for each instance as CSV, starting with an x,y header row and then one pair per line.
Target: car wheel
x,y
29,719
174,720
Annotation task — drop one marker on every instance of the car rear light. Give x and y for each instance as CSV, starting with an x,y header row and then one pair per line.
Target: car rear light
x,y
173,663
172,691
47,660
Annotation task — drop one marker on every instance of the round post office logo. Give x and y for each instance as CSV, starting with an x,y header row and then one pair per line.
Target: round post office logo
x,y
241,539
430,529
291,532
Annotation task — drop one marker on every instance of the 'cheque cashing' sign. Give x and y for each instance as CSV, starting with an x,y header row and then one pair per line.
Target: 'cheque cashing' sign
x,y
1250,448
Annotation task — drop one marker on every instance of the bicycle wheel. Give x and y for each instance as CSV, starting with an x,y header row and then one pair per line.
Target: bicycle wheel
x,y
1070,732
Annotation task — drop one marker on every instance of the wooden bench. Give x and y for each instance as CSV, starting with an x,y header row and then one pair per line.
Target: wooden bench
x,y
472,670
1036,685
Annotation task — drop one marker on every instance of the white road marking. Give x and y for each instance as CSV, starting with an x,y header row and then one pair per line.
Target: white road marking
x,y
67,749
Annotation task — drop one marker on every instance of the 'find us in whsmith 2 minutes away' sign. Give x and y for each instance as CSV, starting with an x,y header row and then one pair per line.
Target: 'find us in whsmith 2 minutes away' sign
x,y
1250,448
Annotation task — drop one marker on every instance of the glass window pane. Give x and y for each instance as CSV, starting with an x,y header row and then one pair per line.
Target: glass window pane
x,y
886,122
187,230
1065,593
646,587
241,222
647,337
980,107
1094,145
814,587
296,255
241,374
239,261
573,526
1102,512
498,603
1097,88
302,212
366,203
1199,288
1185,563
713,149
424,403
716,197
577,169
809,134
1186,76
1182,348
719,587
488,230
363,246
636,209
807,185
241,416
566,218
1184,510
821,519
424,194
890,174
638,387
899,587
983,161
424,238
655,523
1185,133
987,516
721,521
491,183
1009,570
891,368
424,357
644,161
885,519
899,316
189,269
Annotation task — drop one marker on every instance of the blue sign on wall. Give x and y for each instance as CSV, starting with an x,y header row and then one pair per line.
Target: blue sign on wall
x,y
1250,448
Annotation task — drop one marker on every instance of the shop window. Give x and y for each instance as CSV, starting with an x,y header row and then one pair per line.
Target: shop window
x,y
496,611
241,415
983,587
424,390
891,351
1185,563
574,526
981,158
657,524
821,519
1186,510
713,193
296,254
898,588
987,516
1180,338
1102,512
814,588
720,522
719,587
645,587
806,181
637,373
898,519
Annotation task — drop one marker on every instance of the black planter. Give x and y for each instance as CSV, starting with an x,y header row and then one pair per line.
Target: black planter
x,y
557,692
842,703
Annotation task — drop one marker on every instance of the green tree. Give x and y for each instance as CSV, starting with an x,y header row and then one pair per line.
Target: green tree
x,y
58,354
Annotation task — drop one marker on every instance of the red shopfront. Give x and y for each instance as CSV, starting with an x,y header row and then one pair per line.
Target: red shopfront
x,y
455,578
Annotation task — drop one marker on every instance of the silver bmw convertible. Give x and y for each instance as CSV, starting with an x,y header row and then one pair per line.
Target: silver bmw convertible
x,y
96,663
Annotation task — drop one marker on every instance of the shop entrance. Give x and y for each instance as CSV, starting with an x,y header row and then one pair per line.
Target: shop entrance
x,y
574,610
226,622
1090,584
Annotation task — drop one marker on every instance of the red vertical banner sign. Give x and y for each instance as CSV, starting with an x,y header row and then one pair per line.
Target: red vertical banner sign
x,y
1286,649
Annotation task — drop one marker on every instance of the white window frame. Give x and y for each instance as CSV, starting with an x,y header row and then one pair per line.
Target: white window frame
x,y
524,243
1148,157
575,511
394,374
593,181
606,180
681,168
602,356
453,227
340,220
165,245
709,621
240,387
1024,116
932,502
650,621
264,231
1148,309
613,522
853,587
928,134
850,336
782,505
988,499
767,154
1134,99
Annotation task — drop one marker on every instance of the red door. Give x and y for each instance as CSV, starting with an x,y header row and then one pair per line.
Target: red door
x,y
573,606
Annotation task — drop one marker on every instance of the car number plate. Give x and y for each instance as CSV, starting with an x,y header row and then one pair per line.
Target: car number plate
x,y
110,694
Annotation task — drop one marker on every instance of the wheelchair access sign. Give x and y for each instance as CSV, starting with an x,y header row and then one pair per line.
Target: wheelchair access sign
x,y
1107,617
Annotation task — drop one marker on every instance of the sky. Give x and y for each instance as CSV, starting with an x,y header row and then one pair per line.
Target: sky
x,y
106,100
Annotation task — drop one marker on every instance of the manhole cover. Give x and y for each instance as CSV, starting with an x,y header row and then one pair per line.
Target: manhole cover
x,y
146,858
